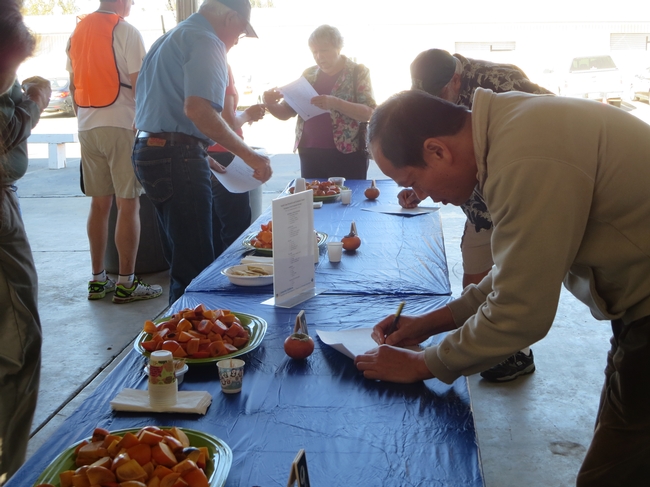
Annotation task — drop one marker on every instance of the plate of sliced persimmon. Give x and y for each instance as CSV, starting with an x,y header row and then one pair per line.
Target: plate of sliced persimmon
x,y
150,455
202,335
324,191
262,241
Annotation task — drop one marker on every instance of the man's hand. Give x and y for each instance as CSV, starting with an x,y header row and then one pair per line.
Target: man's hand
x,y
407,198
215,166
262,166
38,90
393,365
411,330
272,96
255,113
326,102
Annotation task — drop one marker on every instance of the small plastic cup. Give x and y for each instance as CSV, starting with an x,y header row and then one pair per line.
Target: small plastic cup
x,y
334,251
231,374
346,196
337,180
301,185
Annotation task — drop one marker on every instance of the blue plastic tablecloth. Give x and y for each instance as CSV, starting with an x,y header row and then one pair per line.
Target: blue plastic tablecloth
x,y
398,254
355,431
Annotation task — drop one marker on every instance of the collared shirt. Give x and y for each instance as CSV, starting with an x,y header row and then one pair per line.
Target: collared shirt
x,y
345,130
190,60
499,78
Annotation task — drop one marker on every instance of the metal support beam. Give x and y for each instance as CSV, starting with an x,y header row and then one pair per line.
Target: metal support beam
x,y
185,8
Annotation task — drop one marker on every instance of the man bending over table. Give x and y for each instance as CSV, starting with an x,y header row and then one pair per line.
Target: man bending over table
x,y
566,181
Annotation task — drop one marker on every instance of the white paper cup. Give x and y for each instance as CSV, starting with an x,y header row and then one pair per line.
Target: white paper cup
x,y
334,251
300,185
163,386
231,375
337,180
346,196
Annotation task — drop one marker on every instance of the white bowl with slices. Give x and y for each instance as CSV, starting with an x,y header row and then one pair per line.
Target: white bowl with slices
x,y
249,274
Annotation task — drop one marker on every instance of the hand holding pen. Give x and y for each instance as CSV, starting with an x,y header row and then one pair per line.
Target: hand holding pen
x,y
387,326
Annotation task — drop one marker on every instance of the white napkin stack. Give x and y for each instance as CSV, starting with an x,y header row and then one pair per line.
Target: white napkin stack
x,y
138,400
252,259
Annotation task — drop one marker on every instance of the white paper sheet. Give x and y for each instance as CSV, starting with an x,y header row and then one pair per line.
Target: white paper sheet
x,y
349,342
238,177
353,342
398,210
298,95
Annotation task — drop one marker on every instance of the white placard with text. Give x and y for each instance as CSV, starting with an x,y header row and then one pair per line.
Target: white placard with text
x,y
293,249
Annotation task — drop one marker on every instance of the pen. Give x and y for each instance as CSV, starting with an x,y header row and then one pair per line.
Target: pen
x,y
393,326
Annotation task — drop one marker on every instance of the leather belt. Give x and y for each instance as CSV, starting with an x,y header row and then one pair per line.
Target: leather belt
x,y
174,138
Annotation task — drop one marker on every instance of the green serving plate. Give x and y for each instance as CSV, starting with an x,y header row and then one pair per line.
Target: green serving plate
x,y
255,325
322,238
216,469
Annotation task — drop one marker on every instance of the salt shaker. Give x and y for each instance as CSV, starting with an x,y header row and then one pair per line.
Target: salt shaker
x,y
163,386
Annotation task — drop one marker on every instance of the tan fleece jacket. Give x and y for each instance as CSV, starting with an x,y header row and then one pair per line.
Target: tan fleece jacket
x,y
567,182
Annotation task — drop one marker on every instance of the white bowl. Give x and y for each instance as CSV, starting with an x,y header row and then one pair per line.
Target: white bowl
x,y
249,280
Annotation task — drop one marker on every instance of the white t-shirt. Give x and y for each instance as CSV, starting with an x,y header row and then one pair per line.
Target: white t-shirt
x,y
129,53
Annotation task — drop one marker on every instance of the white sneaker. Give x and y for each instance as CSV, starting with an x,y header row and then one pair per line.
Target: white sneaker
x,y
137,292
98,289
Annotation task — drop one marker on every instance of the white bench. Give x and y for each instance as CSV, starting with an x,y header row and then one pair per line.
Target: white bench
x,y
56,147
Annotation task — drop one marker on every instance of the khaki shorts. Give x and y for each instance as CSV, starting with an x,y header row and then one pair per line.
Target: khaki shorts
x,y
106,161
476,250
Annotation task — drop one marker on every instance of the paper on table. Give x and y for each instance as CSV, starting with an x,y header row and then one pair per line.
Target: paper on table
x,y
138,400
398,210
350,343
298,95
238,177
254,259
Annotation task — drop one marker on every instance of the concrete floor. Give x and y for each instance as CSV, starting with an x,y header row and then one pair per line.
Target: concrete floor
x,y
533,431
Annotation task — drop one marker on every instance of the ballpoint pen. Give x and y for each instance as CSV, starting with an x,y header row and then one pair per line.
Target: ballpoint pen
x,y
393,325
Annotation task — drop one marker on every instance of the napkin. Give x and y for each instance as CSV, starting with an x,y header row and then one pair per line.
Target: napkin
x,y
138,400
252,259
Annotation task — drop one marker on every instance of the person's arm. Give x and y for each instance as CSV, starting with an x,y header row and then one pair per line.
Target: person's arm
x,y
21,112
357,111
276,106
201,112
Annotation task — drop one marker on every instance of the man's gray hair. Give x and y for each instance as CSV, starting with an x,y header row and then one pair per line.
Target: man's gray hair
x,y
326,34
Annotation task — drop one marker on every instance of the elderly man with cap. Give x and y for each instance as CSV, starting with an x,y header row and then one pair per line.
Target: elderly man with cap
x,y
455,79
179,99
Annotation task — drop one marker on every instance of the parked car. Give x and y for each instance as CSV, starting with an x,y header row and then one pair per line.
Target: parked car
x,y
640,86
594,77
61,99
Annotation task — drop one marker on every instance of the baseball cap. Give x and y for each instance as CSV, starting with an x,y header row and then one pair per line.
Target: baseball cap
x,y
432,70
243,8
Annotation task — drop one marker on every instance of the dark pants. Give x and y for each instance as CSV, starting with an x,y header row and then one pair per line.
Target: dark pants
x,y
619,454
327,163
20,336
177,181
231,212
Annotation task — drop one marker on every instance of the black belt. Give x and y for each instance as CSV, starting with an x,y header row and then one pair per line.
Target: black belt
x,y
174,138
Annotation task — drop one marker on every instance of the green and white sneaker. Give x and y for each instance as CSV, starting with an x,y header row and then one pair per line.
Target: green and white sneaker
x,y
137,292
98,289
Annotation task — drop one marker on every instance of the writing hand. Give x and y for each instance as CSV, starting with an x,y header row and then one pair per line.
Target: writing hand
x,y
407,198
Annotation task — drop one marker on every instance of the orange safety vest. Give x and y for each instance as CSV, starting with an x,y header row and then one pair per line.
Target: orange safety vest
x,y
96,78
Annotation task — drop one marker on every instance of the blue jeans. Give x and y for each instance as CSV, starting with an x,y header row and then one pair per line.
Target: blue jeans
x,y
231,212
177,181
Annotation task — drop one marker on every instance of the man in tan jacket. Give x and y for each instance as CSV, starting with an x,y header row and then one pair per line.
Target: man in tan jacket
x,y
566,182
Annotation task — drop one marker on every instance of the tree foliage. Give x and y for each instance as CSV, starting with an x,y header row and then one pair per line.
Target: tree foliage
x,y
49,7
262,3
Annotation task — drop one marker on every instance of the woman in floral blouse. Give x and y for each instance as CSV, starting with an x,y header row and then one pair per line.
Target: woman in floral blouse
x,y
330,144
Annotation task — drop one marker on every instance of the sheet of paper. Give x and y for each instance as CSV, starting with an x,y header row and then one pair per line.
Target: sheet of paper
x,y
398,210
298,95
293,247
238,177
350,343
